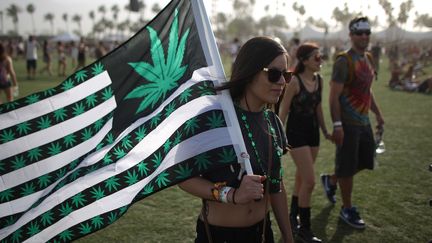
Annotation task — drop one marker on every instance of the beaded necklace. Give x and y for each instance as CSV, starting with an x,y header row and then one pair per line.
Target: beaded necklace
x,y
252,141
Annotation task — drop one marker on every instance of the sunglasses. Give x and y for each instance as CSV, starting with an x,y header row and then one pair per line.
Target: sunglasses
x,y
361,32
274,75
317,57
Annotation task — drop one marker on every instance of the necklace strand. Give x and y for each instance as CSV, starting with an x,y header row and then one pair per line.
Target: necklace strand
x,y
252,141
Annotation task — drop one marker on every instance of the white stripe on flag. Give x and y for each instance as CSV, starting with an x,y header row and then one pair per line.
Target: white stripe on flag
x,y
198,76
55,102
206,141
57,131
45,166
145,148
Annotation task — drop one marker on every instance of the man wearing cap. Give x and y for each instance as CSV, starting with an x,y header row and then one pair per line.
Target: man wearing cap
x,y
350,101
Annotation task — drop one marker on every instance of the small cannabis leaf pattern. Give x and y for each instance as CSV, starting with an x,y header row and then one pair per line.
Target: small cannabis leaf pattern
x,y
163,75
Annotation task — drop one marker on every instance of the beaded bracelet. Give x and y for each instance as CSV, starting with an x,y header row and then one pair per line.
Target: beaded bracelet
x,y
215,194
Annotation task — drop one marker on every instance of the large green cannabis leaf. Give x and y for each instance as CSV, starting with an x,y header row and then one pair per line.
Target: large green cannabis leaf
x,y
164,73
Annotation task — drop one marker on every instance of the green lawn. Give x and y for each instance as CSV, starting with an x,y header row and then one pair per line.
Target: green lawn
x,y
393,199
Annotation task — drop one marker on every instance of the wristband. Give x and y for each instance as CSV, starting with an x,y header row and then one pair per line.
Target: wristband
x,y
337,124
233,197
223,194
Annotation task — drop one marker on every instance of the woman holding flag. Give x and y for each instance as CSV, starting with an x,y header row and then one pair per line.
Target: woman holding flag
x,y
235,205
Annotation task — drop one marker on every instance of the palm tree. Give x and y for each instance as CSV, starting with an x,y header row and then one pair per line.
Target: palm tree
x,y
98,28
77,19
66,20
141,6
405,8
423,20
388,9
127,8
156,8
221,21
93,17
50,18
31,9
343,16
109,25
301,11
13,11
115,10
102,10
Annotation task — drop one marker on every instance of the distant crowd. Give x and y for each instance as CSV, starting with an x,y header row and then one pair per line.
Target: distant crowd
x,y
55,54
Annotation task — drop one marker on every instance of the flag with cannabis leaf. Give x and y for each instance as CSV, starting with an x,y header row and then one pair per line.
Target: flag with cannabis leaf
x,y
140,119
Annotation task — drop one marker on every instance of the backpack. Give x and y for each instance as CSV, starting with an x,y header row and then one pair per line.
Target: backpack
x,y
351,72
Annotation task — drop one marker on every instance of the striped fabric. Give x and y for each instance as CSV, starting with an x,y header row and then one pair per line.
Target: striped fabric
x,y
144,117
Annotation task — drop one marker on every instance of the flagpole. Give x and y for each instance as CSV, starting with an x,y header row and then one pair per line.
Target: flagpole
x,y
213,59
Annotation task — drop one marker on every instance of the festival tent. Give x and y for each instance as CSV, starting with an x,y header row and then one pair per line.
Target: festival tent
x,y
66,37
396,33
310,33
306,33
115,37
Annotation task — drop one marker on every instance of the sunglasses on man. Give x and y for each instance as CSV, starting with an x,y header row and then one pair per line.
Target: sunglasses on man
x,y
361,32
274,75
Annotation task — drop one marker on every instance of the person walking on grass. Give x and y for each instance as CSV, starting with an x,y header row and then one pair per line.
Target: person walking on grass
x,y
351,98
237,209
31,49
301,111
61,55
8,80
46,58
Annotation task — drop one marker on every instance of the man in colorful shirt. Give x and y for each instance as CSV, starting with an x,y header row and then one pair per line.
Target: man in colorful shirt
x,y
351,98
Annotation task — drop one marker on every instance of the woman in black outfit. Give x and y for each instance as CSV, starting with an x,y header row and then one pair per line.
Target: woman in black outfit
x,y
301,106
236,209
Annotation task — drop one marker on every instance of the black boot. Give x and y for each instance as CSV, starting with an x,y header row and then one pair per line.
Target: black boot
x,y
293,214
305,233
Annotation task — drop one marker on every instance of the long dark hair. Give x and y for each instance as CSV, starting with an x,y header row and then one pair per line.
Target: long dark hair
x,y
304,51
3,53
256,54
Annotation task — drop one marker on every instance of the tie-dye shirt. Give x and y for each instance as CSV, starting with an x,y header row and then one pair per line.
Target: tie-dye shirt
x,y
355,99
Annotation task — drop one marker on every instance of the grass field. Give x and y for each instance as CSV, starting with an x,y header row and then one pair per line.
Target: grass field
x,y
393,199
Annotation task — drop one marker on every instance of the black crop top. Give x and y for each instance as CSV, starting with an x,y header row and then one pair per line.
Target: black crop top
x,y
258,127
304,103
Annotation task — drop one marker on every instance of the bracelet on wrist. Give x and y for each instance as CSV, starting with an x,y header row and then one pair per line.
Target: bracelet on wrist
x,y
223,194
337,124
233,196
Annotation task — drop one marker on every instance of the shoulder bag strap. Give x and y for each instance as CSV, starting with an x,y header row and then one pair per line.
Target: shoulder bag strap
x,y
204,211
267,185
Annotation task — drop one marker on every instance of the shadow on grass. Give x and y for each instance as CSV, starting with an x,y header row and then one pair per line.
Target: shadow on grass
x,y
320,222
342,231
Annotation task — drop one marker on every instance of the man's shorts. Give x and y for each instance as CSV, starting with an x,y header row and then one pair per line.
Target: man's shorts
x,y
31,64
357,151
